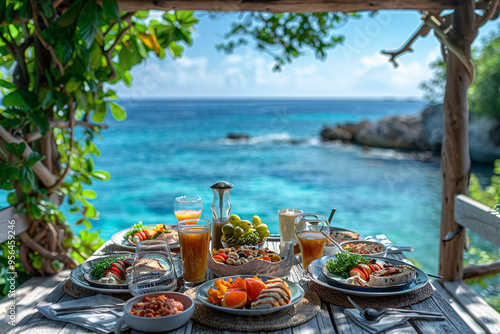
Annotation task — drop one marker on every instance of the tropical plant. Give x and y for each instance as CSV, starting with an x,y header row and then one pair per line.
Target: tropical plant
x,y
484,93
59,60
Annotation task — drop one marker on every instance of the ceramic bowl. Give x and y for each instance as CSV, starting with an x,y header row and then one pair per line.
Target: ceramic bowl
x,y
156,325
340,235
383,253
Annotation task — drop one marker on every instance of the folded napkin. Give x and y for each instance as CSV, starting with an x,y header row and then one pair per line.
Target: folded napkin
x,y
373,327
100,320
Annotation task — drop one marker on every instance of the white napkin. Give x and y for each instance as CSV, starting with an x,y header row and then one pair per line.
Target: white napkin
x,y
373,327
100,321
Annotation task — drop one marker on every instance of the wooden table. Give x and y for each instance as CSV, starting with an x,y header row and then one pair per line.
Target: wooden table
x,y
331,319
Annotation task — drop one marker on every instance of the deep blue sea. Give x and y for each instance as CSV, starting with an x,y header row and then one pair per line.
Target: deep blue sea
x,y
168,148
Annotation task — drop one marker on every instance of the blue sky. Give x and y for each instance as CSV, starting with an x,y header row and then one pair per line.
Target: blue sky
x,y
355,69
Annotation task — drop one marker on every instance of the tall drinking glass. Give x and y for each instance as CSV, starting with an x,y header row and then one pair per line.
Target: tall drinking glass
x,y
194,240
187,207
308,229
287,227
153,269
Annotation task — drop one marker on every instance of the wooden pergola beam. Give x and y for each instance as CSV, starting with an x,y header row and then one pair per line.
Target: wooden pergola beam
x,y
279,6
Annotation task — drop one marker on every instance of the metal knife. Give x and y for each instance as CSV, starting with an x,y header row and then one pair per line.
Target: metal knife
x,y
80,308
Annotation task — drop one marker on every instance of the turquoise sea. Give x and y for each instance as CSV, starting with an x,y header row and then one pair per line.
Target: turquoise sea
x,y
168,148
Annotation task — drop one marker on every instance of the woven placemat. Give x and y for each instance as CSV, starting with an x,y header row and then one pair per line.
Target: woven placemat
x,y
78,292
295,315
339,298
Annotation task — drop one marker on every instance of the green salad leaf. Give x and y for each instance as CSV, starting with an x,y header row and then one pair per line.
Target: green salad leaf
x,y
344,262
99,268
134,229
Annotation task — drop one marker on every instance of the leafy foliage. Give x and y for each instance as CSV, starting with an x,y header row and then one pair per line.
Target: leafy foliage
x,y
484,93
434,88
57,65
490,195
285,35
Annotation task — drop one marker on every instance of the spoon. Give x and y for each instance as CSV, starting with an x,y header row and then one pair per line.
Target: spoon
x,y
334,242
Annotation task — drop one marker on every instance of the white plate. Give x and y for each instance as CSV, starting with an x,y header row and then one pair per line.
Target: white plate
x,y
202,295
118,239
314,272
77,277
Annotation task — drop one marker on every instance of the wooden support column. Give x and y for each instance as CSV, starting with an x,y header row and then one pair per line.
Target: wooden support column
x,y
455,157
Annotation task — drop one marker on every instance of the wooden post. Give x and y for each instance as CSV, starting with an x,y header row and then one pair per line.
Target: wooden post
x,y
455,158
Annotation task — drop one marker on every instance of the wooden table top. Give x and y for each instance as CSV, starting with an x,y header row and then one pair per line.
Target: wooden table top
x,y
331,319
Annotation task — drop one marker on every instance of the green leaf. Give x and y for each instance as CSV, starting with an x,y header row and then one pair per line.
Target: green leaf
x,y
25,10
27,179
100,113
16,149
33,158
6,84
88,193
118,112
9,13
87,224
71,15
12,198
110,10
39,119
2,10
88,22
48,100
21,98
90,211
47,8
101,175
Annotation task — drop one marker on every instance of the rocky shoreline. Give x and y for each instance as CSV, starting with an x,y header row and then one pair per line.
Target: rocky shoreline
x,y
419,133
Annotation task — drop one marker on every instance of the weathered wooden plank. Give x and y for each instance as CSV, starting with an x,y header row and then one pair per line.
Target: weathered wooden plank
x,y
325,322
12,220
453,324
478,217
458,308
285,5
36,323
30,294
478,309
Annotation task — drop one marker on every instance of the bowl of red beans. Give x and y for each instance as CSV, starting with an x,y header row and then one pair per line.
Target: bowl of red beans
x,y
156,312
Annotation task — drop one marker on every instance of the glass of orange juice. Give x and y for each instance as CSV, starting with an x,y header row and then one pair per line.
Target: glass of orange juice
x,y
194,241
308,229
187,207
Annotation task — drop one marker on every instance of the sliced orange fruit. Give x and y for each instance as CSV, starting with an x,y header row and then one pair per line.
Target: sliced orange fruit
x,y
253,288
237,284
234,299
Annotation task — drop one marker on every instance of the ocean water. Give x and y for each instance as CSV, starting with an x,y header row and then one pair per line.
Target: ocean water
x,y
169,148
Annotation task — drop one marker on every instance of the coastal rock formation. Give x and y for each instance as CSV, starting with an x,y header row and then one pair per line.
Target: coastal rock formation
x,y
238,136
422,132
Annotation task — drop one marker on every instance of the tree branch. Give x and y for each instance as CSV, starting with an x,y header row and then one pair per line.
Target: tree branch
x,y
432,22
26,239
488,13
31,137
46,45
423,31
40,170
71,144
108,53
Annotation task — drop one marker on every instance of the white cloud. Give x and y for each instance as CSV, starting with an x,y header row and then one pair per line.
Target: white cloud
x,y
234,59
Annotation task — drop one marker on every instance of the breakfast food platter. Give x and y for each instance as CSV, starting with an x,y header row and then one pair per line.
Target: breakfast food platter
x,y
125,238
277,295
85,275
318,273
